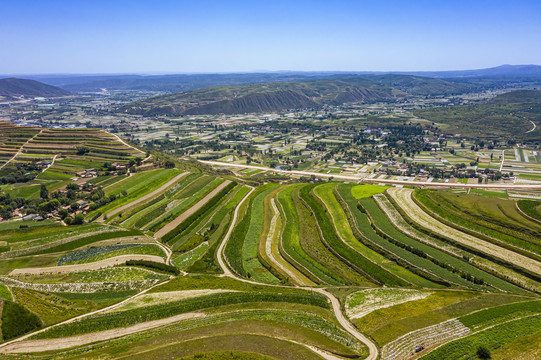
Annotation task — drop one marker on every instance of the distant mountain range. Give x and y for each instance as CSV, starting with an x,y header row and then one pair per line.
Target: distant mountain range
x,y
13,88
280,96
187,82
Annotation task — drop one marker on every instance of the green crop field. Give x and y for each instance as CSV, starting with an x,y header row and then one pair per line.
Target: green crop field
x,y
170,258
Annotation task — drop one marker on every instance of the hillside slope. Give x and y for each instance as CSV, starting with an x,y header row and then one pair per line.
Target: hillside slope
x,y
293,95
510,115
13,87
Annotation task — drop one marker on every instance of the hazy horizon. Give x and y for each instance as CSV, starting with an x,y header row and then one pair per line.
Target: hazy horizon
x,y
182,37
262,71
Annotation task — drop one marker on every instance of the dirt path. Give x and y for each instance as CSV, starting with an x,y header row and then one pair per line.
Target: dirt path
x,y
128,145
373,349
108,308
20,151
220,251
383,181
532,129
271,249
417,214
22,345
168,251
117,260
142,199
186,214
31,346
347,325
51,164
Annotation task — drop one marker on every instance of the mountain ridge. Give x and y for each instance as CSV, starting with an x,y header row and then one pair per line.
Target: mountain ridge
x,y
271,97
14,87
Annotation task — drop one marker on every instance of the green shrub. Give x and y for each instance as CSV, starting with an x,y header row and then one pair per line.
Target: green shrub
x,y
17,320
154,265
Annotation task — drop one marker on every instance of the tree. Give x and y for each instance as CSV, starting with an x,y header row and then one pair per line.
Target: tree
x,y
63,213
82,150
78,219
72,186
43,192
169,164
483,353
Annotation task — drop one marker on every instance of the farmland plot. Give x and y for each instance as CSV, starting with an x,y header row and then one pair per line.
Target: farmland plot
x,y
403,198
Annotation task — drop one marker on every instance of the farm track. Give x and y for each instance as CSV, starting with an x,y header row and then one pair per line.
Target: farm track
x,y
192,210
32,346
383,181
108,308
20,151
130,146
532,129
21,345
117,260
271,241
337,309
51,164
403,198
220,251
142,199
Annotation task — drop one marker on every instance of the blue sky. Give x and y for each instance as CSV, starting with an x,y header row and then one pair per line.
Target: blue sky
x,y
179,36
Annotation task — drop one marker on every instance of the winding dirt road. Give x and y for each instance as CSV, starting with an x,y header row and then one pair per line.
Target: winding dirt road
x,y
10,343
373,349
32,346
21,344
117,260
220,250
20,151
128,145
532,129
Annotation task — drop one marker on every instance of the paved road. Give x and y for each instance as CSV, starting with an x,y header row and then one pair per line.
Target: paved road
x,y
382,181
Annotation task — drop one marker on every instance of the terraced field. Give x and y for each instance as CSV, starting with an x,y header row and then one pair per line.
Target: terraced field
x,y
185,260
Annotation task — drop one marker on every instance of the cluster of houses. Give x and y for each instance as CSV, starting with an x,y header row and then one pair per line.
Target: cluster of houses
x,y
88,173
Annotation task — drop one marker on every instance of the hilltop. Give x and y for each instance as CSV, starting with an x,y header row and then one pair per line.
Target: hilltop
x,y
512,114
517,97
294,95
13,87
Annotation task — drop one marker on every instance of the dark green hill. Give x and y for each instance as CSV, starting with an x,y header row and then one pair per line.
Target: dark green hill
x,y
508,117
293,95
517,97
13,87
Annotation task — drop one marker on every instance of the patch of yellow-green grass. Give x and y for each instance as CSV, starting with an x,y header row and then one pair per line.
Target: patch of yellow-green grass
x,y
5,293
385,325
526,347
367,190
